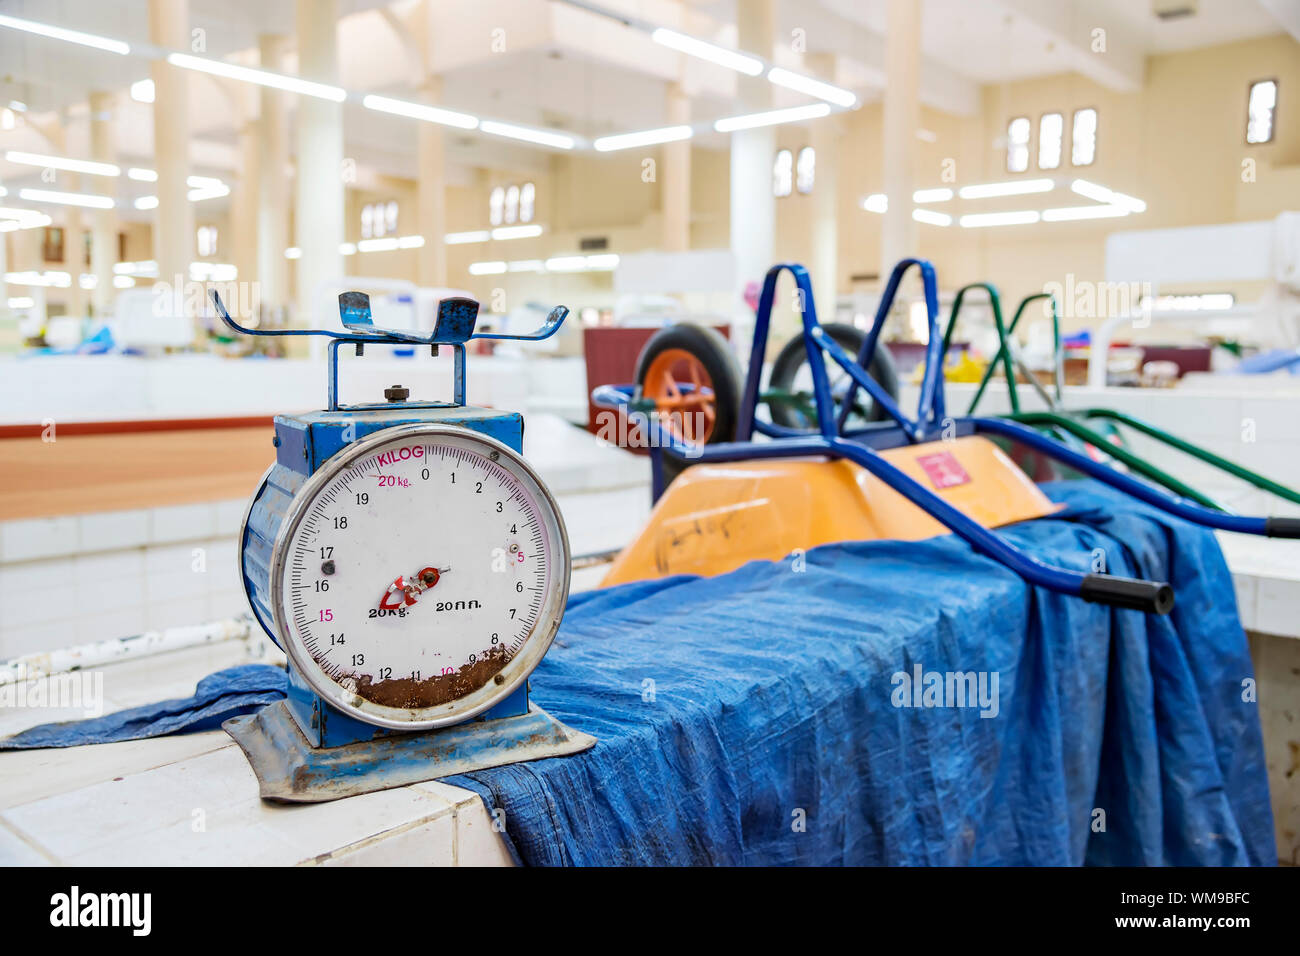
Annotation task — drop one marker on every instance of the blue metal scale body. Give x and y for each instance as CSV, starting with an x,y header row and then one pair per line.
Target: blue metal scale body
x,y
305,749
304,443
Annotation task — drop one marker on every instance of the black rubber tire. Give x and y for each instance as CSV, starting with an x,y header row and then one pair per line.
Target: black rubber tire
x,y
794,356
712,351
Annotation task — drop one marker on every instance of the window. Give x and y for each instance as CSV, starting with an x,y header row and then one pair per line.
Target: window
x,y
206,239
527,198
782,173
1260,107
1051,127
1018,144
512,203
1083,138
379,219
805,170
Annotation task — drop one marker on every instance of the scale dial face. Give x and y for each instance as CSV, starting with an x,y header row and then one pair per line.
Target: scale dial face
x,y
420,576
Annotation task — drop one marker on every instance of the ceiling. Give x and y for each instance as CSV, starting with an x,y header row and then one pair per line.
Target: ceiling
x,y
570,69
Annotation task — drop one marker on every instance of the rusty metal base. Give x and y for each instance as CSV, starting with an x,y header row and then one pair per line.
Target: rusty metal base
x,y
290,770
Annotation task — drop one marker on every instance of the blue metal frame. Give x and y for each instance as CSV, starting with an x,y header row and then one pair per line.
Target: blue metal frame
x,y
454,326
860,445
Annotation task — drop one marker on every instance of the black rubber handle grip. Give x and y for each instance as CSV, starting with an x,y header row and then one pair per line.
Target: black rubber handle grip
x,y
1154,597
1282,527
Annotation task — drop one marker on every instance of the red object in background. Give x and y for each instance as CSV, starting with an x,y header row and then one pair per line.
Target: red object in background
x,y
611,355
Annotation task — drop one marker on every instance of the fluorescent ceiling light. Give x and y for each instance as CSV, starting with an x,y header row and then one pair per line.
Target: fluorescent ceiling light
x,y
1015,187
347,248
1068,213
410,242
62,162
649,137
1019,218
420,111
21,302
59,33
460,238
293,252
932,195
526,265
772,117
806,84
248,74
18,106
377,245
528,135
486,268
566,264
517,232
876,202
740,62
142,91
931,217
142,175
123,282
602,262
23,215
207,192
66,199
146,202
1103,195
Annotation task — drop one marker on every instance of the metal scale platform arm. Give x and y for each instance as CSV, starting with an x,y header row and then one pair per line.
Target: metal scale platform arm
x,y
414,568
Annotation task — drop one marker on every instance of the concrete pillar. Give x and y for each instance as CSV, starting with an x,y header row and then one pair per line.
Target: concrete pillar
x,y
273,187
902,116
675,188
318,216
753,209
824,137
4,267
173,230
431,194
74,248
103,236
242,243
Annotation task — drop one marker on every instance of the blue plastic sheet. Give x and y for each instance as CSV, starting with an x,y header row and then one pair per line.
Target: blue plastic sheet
x,y
751,718
228,693
756,718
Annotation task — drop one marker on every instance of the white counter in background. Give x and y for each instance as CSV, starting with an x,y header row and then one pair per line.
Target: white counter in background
x,y
74,388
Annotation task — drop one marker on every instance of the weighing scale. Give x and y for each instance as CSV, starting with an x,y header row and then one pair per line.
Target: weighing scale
x,y
413,568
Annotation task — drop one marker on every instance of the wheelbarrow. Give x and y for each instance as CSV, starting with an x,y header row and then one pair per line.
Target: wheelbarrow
x,y
1093,428
791,490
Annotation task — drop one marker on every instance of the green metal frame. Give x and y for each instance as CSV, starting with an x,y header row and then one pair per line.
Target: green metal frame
x,y
1064,422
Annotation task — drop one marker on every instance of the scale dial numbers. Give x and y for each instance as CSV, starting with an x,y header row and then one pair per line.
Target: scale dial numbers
x,y
421,575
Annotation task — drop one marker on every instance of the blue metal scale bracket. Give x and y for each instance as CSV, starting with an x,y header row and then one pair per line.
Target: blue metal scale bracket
x,y
304,749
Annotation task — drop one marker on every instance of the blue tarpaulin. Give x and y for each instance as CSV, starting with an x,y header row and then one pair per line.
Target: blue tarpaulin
x,y
778,716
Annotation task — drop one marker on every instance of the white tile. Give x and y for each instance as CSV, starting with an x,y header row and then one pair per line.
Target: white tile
x,y
15,851
1278,601
183,523
230,515
430,843
206,810
113,530
478,843
31,538
17,580
160,615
